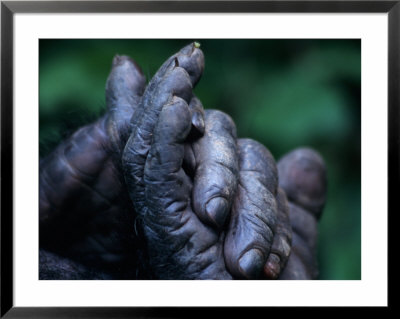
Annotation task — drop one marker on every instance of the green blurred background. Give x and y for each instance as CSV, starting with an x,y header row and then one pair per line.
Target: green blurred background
x,y
283,93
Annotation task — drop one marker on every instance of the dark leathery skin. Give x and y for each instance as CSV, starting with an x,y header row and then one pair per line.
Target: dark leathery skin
x,y
55,267
81,149
172,79
179,246
302,175
302,263
86,167
281,245
198,128
304,224
254,213
217,169
124,88
84,210
71,196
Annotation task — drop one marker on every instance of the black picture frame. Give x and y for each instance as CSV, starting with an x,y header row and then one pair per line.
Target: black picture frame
x,y
9,8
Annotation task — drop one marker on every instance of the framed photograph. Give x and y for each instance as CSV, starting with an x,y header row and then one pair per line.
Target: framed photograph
x,y
320,77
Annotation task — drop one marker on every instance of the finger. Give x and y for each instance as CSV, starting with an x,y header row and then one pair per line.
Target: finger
x,y
173,78
282,242
124,87
166,183
217,170
197,115
138,145
296,268
302,174
190,58
302,263
304,225
254,213
70,171
125,84
170,81
179,245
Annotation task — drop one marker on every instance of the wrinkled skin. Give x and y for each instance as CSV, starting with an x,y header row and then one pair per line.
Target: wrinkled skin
x,y
302,175
84,210
207,205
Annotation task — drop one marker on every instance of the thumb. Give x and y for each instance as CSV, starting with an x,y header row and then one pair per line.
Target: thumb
x,y
125,83
124,87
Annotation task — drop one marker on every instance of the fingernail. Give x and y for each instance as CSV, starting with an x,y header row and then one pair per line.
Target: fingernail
x,y
116,60
187,50
216,209
272,268
176,62
251,263
198,122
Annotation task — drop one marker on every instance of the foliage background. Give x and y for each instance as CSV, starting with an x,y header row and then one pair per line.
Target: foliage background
x,y
283,93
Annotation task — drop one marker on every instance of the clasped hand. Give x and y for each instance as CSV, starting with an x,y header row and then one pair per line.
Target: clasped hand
x,y
158,188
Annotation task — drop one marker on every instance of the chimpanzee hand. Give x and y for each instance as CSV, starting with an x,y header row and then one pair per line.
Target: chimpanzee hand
x,y
85,214
84,210
182,186
185,239
77,226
